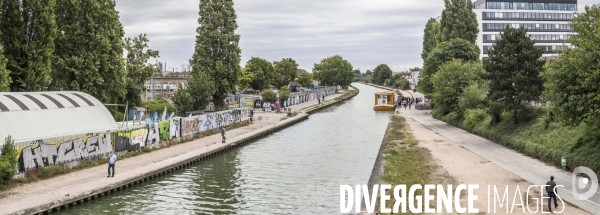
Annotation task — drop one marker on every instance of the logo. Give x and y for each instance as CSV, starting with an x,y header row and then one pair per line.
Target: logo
x,y
579,184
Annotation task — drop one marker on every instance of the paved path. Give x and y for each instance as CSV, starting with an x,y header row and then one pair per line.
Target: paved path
x,y
531,170
87,180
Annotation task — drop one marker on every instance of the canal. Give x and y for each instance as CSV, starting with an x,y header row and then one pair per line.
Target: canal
x,y
297,170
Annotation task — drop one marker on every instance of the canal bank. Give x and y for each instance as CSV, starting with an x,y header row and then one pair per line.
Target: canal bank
x,y
88,184
458,157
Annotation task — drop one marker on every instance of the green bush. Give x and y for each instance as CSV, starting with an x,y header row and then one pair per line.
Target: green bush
x,y
158,105
8,161
268,95
473,117
540,138
119,116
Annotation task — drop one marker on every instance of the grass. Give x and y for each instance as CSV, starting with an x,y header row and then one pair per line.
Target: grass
x,y
53,171
405,162
540,138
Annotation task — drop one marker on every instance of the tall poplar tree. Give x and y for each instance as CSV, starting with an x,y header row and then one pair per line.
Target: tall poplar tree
x,y
430,37
459,21
217,51
89,49
513,70
28,31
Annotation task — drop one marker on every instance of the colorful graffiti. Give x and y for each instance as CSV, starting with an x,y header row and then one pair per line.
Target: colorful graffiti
x,y
42,153
71,151
130,140
189,126
163,129
153,134
174,129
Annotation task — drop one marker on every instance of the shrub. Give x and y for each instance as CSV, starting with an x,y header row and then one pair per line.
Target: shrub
x,y
473,117
268,95
8,161
158,105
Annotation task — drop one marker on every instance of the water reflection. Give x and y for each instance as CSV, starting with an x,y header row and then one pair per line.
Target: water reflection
x,y
297,170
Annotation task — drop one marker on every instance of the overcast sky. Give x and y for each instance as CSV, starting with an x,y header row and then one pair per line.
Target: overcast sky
x,y
365,32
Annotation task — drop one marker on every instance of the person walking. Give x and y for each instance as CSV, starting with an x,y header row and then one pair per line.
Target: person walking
x,y
319,100
112,158
223,134
551,193
323,98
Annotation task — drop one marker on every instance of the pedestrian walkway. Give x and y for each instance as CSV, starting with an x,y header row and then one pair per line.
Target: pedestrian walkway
x,y
60,188
531,170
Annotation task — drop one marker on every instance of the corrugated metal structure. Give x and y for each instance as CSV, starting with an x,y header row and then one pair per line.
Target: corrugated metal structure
x,y
29,116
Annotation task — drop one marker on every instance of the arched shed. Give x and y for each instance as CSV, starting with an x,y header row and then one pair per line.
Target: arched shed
x,y
29,116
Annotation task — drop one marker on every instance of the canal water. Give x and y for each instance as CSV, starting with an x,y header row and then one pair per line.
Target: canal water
x,y
297,170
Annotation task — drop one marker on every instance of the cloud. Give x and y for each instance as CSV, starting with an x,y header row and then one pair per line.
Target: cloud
x,y
366,33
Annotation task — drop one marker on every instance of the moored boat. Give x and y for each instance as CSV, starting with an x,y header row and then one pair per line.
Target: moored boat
x,y
385,101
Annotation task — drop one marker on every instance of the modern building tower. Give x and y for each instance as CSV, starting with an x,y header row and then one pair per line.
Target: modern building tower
x,y
547,21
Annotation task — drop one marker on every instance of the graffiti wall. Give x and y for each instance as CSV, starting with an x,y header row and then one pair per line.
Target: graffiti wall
x,y
130,140
72,150
67,151
189,126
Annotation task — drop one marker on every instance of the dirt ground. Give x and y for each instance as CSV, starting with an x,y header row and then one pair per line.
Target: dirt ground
x,y
458,165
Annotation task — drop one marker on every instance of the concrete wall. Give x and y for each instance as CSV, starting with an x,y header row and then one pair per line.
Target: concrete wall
x,y
70,151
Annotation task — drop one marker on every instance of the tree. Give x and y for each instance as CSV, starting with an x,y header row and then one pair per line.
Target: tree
x,y
263,72
138,68
28,31
5,79
286,71
183,101
445,52
430,37
357,73
398,81
217,51
284,93
305,79
459,21
268,95
571,81
245,79
333,71
473,96
368,73
513,70
201,89
8,161
450,82
381,73
89,50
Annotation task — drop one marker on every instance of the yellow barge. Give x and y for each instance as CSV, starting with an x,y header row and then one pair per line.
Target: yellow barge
x,y
385,101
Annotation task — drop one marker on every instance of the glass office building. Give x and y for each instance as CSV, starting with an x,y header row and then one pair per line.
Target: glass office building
x,y
547,21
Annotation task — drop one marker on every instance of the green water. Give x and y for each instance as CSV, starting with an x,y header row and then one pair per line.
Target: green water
x,y
297,170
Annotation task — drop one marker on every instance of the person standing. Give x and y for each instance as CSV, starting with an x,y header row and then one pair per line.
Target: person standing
x,y
223,133
323,98
319,100
551,193
112,158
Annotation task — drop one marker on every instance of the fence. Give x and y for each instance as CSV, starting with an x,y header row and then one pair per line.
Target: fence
x,y
69,151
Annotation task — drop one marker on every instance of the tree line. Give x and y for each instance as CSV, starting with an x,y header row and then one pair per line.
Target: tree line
x,y
515,74
71,45
383,75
